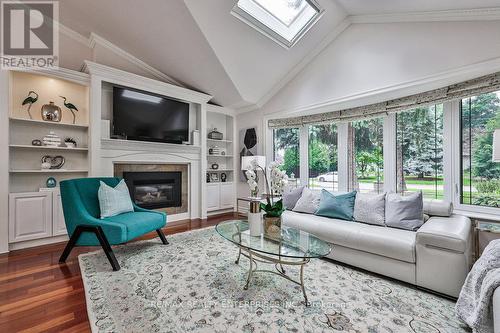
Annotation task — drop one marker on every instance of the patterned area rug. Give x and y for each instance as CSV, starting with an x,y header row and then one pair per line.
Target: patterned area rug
x,y
193,285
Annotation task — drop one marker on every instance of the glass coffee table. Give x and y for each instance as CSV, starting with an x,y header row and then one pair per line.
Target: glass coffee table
x,y
294,247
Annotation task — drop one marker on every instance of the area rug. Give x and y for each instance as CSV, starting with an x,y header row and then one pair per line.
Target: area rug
x,y
194,285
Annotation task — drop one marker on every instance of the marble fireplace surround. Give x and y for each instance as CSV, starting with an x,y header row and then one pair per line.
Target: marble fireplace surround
x,y
120,168
118,156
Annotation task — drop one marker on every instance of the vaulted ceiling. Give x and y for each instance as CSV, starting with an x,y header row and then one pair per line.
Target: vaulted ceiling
x,y
200,44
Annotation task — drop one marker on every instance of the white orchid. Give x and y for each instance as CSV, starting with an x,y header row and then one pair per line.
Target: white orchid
x,y
252,181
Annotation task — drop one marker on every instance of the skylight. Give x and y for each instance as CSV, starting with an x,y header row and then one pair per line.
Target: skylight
x,y
284,21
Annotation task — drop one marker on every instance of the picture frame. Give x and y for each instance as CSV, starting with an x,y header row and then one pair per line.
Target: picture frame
x,y
214,177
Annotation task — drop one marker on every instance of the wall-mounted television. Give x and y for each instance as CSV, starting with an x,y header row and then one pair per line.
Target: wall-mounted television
x,y
144,116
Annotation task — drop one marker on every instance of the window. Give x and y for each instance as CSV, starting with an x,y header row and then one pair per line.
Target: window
x,y
480,176
366,167
419,151
284,21
286,151
323,157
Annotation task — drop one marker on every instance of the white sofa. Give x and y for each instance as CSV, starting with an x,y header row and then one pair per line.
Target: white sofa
x,y
437,256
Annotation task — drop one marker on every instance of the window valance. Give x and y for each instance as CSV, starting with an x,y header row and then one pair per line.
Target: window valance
x,y
481,85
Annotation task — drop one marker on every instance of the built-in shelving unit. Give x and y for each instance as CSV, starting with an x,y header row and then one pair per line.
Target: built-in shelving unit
x,y
48,171
35,211
221,196
48,123
48,147
26,174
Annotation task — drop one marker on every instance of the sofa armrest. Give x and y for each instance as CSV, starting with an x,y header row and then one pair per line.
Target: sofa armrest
x,y
448,233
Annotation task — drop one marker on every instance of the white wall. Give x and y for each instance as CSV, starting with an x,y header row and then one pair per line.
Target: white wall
x,y
244,121
366,57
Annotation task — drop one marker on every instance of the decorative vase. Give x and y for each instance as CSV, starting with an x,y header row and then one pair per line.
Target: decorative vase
x,y
272,226
51,182
51,112
255,219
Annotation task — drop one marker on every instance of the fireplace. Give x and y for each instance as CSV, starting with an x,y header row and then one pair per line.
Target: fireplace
x,y
153,190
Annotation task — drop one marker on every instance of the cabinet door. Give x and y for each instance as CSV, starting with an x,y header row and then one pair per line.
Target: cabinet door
x,y
30,216
59,225
226,195
213,199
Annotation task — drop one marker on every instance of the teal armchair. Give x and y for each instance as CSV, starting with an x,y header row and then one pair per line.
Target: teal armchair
x,y
86,228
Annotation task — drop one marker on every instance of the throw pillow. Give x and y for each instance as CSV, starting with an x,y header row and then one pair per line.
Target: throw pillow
x,y
291,195
337,206
114,201
308,202
370,209
404,212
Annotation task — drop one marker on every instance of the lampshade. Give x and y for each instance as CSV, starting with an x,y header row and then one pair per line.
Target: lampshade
x,y
496,145
246,161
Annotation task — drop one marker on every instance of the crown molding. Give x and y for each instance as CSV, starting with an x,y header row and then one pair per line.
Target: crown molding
x,y
119,76
479,14
420,85
98,40
74,35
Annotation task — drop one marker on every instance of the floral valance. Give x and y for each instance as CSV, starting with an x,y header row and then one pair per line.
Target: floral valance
x,y
481,85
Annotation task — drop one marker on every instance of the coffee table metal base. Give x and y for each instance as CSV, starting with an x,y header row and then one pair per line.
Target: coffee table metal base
x,y
278,262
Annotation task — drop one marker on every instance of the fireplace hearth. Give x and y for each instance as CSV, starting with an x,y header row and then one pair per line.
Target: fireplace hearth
x,y
154,190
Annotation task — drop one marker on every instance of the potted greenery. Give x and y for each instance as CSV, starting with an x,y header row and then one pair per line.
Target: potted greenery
x,y
275,185
70,142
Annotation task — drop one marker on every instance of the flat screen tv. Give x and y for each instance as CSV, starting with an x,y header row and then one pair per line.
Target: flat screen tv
x,y
143,116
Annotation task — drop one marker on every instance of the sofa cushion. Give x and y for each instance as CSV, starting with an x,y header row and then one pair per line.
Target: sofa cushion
x,y
370,209
404,212
291,195
388,242
336,206
436,207
308,202
139,223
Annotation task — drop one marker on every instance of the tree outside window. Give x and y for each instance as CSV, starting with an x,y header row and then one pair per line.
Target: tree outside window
x,y
287,153
366,162
480,182
323,157
419,152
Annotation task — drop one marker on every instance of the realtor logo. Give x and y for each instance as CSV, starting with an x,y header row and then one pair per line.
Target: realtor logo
x,y
30,36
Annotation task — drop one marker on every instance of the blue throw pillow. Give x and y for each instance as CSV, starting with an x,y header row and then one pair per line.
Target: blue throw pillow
x,y
337,206
114,201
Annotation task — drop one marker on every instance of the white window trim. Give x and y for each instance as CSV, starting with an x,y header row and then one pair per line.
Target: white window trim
x,y
270,33
455,169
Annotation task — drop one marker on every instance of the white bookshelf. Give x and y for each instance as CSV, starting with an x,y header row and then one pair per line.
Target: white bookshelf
x,y
221,196
25,170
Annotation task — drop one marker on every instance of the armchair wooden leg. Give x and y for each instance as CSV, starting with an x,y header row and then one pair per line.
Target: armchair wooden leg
x,y
162,236
97,230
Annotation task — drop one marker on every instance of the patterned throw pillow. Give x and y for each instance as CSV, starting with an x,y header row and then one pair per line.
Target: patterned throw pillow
x,y
370,209
291,196
114,201
308,202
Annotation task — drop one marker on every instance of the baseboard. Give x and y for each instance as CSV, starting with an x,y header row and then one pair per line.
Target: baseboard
x,y
37,242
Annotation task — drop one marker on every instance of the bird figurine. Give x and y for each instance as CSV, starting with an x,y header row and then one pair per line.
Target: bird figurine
x,y
70,107
30,100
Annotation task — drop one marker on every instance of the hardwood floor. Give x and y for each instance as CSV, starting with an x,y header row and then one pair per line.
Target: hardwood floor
x,y
37,294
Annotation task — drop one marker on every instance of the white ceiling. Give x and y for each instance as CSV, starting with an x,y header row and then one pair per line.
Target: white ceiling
x,y
200,44
367,7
